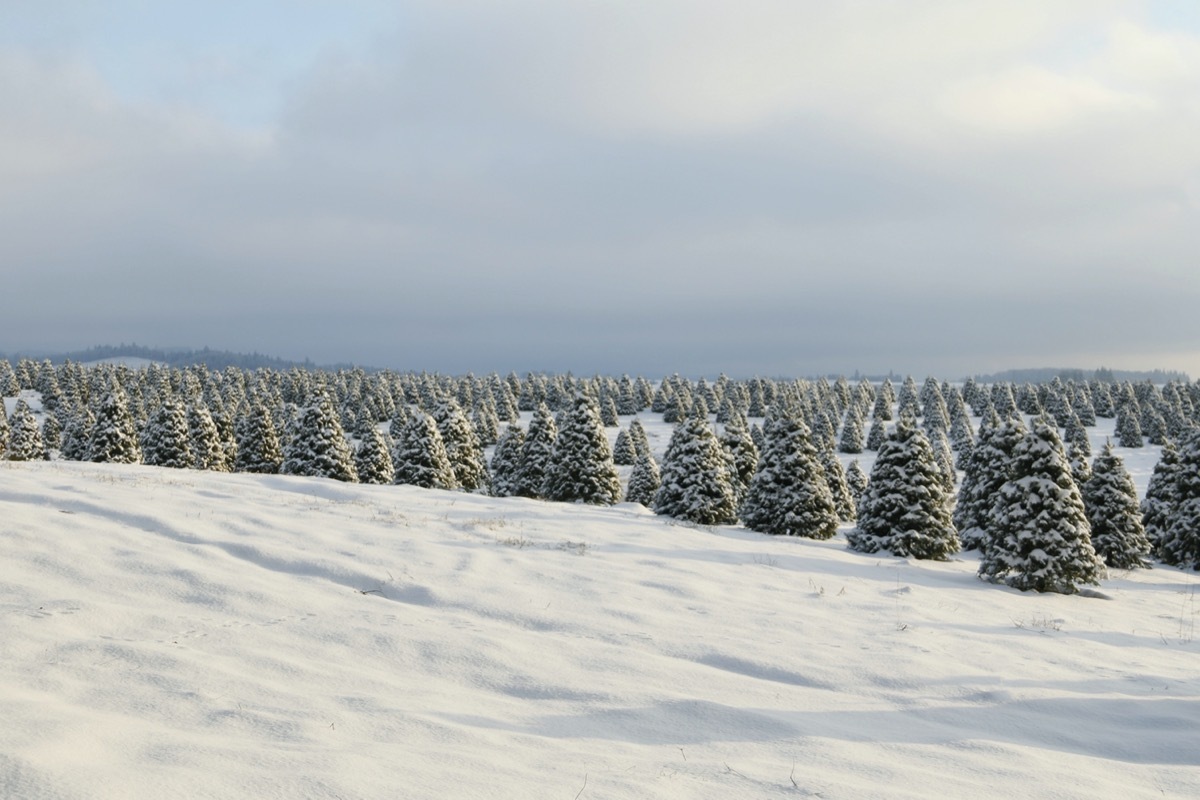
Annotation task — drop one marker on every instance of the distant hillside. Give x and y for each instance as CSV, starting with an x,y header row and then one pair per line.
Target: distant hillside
x,y
1045,374
175,357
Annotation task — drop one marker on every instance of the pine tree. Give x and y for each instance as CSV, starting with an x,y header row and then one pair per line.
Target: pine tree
x,y
76,435
1110,500
420,458
851,440
581,467
25,437
644,481
695,478
1129,430
856,482
51,433
208,452
624,452
788,495
373,459
317,446
1161,495
637,435
906,508
165,440
987,469
462,446
1179,544
5,426
835,476
536,452
1041,538
258,447
113,437
877,435
506,461
742,452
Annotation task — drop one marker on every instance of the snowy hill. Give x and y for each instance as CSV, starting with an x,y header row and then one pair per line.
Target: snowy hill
x,y
172,633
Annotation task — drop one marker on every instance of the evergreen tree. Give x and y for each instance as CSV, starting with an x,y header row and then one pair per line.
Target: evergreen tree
x,y
877,436
856,482
624,452
25,437
317,446
742,452
637,435
835,476
165,440
1040,539
420,458
1161,495
789,494
258,447
51,433
506,461
987,469
1129,430
208,452
1179,544
462,446
113,437
373,459
905,508
5,426
851,440
644,481
76,435
696,484
1081,468
1110,500
581,468
536,452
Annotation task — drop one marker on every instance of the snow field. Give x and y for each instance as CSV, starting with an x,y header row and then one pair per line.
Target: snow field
x,y
172,633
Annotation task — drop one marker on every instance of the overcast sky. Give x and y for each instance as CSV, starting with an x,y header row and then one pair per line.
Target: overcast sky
x,y
646,186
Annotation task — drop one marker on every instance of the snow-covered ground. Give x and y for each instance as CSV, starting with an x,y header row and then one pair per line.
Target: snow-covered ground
x,y
170,633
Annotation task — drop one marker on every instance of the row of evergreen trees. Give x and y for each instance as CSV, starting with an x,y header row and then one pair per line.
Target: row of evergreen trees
x,y
782,478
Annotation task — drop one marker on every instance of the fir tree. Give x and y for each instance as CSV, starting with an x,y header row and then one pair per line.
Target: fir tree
x,y
905,508
317,446
113,437
856,482
208,452
877,436
1179,544
420,458
1161,495
1110,500
5,426
506,461
789,494
695,480
624,452
1129,430
742,452
25,437
462,446
372,459
76,435
581,468
51,433
258,447
1041,538
165,440
536,452
637,435
835,476
644,481
987,469
851,440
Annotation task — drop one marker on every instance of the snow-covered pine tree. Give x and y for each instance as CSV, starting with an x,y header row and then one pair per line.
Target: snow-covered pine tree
x,y
165,439
506,461
742,452
76,435
1129,430
113,437
25,437
788,495
535,453
258,446
637,435
695,479
877,435
624,453
208,452
1110,500
317,446
644,481
581,468
51,433
905,508
462,446
5,426
851,440
1040,536
1179,544
856,482
984,473
835,476
1162,494
373,459
419,457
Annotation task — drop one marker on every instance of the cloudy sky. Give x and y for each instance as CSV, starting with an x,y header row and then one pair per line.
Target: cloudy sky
x,y
757,187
